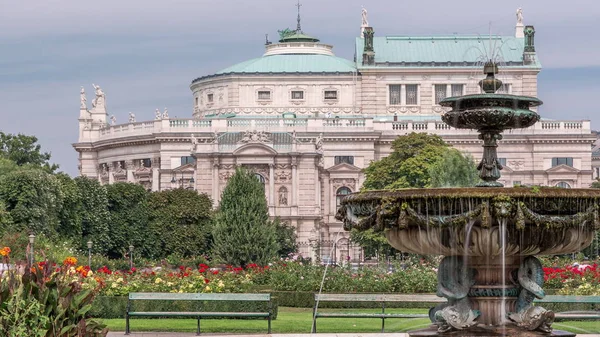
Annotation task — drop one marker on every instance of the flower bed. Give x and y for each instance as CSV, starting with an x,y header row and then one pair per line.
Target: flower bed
x,y
573,280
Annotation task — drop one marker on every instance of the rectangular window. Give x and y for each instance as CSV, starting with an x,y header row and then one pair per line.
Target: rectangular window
x,y
210,98
330,95
297,94
412,94
457,89
395,94
264,95
562,161
440,92
146,162
344,159
502,161
187,160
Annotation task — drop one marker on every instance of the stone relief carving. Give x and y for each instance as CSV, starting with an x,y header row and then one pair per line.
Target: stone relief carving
x,y
225,176
404,109
256,137
120,174
283,176
319,144
516,165
344,182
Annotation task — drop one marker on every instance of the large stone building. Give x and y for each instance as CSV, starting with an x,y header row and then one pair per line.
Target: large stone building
x,y
307,122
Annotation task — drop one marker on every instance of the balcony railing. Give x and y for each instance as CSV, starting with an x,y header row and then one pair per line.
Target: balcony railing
x,y
290,125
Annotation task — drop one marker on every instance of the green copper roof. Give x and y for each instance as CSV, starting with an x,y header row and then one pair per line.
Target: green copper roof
x,y
406,51
299,37
292,63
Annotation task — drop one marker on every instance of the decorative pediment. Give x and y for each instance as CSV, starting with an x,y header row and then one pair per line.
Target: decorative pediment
x,y
344,182
562,169
185,168
256,137
255,149
143,173
344,168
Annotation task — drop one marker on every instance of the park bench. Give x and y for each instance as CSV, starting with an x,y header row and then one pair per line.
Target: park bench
x,y
590,315
198,314
382,299
594,314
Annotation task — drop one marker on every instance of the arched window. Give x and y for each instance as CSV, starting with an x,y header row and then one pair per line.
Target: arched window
x,y
283,196
563,184
340,194
260,178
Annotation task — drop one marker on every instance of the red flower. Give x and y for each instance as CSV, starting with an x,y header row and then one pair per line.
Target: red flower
x,y
206,281
215,272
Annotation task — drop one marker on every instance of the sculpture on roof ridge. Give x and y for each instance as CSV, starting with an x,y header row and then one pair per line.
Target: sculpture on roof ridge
x,y
82,98
256,137
157,114
286,33
100,96
365,21
519,16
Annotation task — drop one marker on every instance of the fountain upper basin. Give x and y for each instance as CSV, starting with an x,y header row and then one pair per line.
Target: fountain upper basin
x,y
435,221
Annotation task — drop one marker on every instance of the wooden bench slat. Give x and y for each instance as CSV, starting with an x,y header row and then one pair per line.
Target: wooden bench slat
x,y
201,314
425,298
569,299
341,315
200,296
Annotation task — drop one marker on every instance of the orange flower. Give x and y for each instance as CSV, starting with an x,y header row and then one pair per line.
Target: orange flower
x,y
5,251
70,261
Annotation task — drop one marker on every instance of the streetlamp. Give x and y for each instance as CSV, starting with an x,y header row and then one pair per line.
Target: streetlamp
x,y
130,257
31,241
89,245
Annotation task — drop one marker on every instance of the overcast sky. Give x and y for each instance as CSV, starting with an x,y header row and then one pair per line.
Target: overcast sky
x,y
144,54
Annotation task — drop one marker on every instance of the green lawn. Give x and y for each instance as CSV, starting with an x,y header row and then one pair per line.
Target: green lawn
x,y
299,320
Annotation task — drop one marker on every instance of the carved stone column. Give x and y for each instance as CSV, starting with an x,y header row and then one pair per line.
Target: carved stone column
x,y
294,194
318,209
111,178
156,174
326,195
271,184
130,167
216,182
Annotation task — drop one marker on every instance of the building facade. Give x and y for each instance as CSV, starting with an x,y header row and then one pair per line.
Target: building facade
x,y
307,122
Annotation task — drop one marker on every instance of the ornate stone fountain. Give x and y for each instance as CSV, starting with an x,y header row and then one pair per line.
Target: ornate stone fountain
x,y
489,235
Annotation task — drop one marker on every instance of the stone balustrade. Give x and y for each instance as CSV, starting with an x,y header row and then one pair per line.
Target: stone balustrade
x,y
326,125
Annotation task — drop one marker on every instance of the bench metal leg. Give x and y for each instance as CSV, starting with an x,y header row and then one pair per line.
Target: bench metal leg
x,y
127,324
198,329
269,330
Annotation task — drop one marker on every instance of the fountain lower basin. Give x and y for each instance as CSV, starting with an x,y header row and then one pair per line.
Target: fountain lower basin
x,y
489,237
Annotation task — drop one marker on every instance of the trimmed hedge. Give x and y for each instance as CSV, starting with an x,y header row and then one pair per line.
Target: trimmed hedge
x,y
116,306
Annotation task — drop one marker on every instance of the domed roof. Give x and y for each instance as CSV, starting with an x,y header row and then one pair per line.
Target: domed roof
x,y
292,63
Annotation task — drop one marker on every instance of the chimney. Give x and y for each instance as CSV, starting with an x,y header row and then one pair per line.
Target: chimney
x,y
529,50
368,51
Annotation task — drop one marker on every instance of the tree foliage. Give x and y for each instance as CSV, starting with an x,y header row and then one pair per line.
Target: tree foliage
x,y
408,165
243,233
34,199
129,215
286,238
181,221
454,170
94,214
24,150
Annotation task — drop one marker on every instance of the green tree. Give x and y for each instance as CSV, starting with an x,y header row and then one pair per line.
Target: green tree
x,y
454,170
34,199
129,214
373,243
94,215
409,163
243,233
24,150
70,212
596,183
286,238
181,221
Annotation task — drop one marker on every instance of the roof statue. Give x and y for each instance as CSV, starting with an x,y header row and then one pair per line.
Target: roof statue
x,y
298,27
166,114
157,114
113,120
131,117
365,21
83,99
286,33
519,16
100,97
